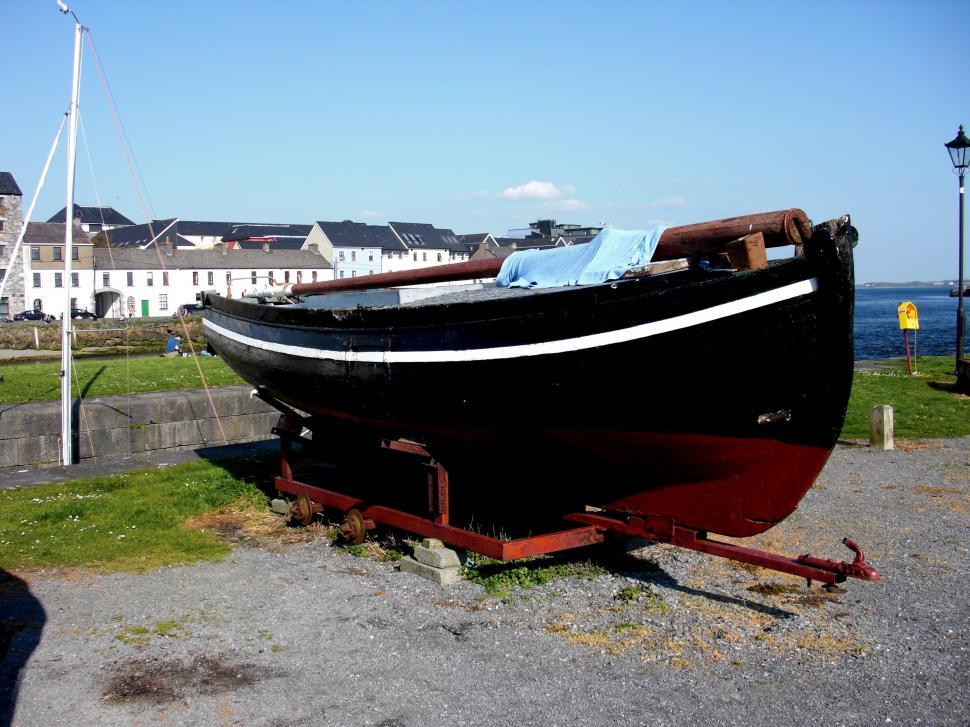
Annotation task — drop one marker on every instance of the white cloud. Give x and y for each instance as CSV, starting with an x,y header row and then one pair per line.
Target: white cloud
x,y
668,202
536,190
372,214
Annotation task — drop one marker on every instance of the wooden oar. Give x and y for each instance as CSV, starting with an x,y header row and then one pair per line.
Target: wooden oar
x,y
786,227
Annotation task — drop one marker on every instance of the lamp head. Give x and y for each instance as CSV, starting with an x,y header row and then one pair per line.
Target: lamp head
x,y
959,150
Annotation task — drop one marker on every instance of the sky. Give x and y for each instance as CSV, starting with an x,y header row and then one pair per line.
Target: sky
x,y
484,116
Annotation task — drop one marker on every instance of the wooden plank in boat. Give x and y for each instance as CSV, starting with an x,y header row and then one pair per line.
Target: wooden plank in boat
x,y
658,268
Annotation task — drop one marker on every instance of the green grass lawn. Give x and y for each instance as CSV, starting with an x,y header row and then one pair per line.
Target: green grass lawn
x,y
111,377
924,406
132,521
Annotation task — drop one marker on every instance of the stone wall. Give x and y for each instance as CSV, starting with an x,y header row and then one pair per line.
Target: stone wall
x,y
118,425
11,213
143,334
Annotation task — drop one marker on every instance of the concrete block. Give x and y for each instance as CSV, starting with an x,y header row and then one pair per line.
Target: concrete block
x,y
432,543
279,506
441,576
436,557
881,427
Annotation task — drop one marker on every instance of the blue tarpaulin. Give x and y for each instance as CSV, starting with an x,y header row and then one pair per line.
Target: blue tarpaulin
x,y
606,257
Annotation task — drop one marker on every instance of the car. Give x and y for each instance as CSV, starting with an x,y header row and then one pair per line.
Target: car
x,y
187,310
33,315
78,313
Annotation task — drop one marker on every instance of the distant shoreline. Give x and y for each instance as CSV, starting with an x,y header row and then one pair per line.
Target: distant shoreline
x,y
911,284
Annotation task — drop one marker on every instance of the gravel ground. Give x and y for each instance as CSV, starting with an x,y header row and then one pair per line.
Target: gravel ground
x,y
302,633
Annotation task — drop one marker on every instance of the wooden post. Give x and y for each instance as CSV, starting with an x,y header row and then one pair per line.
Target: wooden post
x,y
36,339
881,427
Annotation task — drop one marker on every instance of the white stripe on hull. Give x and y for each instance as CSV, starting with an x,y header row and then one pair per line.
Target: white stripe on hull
x,y
565,345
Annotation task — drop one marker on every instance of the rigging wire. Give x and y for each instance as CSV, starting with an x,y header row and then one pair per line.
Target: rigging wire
x,y
94,183
132,169
30,210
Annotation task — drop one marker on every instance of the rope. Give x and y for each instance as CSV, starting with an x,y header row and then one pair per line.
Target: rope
x,y
97,193
80,406
132,169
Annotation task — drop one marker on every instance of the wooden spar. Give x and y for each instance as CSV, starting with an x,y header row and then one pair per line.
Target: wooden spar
x,y
786,227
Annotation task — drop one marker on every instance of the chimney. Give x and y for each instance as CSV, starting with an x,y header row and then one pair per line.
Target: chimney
x,y
168,246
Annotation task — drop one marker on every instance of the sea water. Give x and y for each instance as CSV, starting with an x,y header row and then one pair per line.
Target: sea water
x,y
877,333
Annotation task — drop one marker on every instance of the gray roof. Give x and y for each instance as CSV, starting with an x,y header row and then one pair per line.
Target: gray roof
x,y
141,235
360,234
196,227
94,215
423,235
244,231
52,233
154,259
8,185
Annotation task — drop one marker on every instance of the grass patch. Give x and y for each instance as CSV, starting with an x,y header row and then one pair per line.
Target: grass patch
x,y
499,578
126,522
26,382
924,405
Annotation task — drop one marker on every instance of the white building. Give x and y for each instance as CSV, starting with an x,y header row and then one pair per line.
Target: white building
x,y
156,281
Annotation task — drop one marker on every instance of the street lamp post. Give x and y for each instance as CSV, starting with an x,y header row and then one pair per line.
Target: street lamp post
x,y
959,150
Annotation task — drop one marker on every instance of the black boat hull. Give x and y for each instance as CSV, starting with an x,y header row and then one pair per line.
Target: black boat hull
x,y
710,398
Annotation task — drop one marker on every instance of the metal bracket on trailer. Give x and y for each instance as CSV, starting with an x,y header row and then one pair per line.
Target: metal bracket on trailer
x,y
666,531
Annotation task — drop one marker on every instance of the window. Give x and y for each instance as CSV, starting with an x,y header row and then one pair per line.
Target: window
x,y
299,276
38,304
253,276
74,253
313,276
341,273
286,276
210,276
163,301
424,257
3,249
34,253
57,253
370,256
131,305
105,279
75,283
195,277
340,255
370,272
353,273
36,280
73,303
149,279
439,257
165,277
4,306
272,277
353,255
228,278
58,280
3,274
131,278
415,257
1,225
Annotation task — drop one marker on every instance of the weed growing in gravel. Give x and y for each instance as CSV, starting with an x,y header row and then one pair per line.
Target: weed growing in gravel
x,y
126,522
499,578
630,594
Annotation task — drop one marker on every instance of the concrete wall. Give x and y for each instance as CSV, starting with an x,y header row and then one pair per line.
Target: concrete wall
x,y
118,425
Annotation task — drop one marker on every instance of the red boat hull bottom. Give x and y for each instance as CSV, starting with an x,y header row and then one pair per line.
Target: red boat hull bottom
x,y
728,485
735,486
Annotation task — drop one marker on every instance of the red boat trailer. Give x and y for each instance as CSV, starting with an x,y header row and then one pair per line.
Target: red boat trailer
x,y
589,528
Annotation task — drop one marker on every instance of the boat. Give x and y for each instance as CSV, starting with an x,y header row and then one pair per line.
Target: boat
x,y
702,393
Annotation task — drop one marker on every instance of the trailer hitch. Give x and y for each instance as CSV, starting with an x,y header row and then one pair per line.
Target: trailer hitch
x,y
858,568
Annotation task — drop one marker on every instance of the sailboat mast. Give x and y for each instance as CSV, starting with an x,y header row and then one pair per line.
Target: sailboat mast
x,y
66,433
